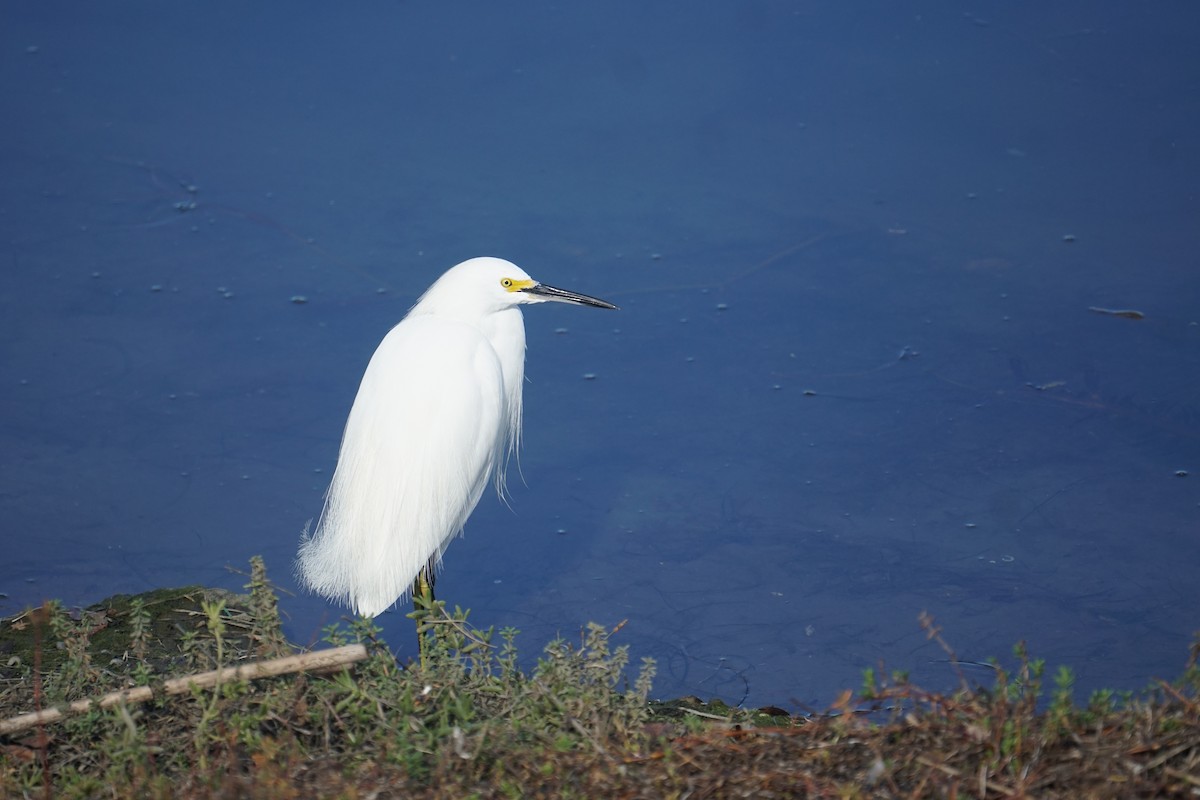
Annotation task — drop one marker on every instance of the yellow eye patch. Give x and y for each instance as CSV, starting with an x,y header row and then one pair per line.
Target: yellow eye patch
x,y
514,285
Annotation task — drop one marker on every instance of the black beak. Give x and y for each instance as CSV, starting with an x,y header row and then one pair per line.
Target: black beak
x,y
563,296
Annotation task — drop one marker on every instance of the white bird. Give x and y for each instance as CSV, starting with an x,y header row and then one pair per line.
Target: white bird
x,y
438,412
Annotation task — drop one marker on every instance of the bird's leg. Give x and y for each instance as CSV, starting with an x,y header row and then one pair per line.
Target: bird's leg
x,y
423,602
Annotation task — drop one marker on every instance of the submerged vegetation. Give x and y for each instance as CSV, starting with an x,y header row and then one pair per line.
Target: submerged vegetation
x,y
466,720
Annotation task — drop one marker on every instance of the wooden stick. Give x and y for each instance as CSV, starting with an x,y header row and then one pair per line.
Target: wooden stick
x,y
322,659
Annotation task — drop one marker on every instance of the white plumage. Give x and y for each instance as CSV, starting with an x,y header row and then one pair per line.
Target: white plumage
x,y
438,412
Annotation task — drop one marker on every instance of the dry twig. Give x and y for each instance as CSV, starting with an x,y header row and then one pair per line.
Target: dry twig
x,y
322,659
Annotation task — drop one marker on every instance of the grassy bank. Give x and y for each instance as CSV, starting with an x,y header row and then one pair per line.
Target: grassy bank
x,y
467,721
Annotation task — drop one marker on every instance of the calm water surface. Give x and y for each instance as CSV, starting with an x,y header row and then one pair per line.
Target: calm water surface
x,y
855,375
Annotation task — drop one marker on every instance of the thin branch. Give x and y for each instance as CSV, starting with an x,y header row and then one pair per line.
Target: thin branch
x,y
322,659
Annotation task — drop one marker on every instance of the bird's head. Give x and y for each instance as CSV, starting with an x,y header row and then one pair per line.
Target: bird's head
x,y
486,285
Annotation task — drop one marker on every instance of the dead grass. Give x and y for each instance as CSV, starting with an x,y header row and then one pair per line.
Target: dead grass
x,y
468,722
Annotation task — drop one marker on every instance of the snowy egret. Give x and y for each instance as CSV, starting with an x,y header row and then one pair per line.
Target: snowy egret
x,y
438,412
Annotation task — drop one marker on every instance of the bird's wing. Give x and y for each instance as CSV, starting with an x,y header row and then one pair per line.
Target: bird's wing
x,y
423,435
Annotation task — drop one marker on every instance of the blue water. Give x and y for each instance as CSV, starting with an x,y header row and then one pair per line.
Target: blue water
x,y
855,375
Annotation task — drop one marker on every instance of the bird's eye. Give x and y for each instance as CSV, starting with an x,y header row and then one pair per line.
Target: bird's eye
x,y
506,283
